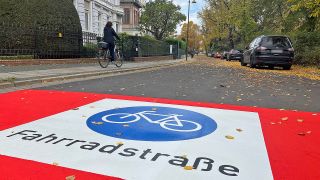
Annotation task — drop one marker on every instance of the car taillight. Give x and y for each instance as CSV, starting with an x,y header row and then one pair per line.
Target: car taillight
x,y
261,48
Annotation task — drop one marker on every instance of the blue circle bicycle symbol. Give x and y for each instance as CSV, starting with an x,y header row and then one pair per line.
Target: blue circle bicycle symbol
x,y
150,123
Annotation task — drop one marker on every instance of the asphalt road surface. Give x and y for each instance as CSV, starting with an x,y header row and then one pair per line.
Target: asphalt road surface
x,y
198,81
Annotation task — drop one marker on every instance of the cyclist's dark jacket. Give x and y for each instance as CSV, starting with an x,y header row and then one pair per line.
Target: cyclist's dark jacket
x,y
109,35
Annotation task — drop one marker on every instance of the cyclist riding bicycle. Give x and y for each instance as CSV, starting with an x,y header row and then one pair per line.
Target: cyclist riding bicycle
x,y
108,37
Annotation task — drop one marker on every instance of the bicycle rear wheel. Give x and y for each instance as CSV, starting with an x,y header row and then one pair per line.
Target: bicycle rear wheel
x,y
103,58
119,59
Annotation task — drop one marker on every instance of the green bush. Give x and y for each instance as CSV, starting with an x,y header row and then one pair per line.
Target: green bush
x,y
307,48
43,25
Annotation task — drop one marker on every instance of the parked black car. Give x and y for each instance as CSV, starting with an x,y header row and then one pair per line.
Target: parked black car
x,y
234,54
270,51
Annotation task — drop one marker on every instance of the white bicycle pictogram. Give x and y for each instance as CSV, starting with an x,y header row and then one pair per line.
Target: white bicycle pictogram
x,y
169,122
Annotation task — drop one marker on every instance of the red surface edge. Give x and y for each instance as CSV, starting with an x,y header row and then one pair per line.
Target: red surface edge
x,y
292,137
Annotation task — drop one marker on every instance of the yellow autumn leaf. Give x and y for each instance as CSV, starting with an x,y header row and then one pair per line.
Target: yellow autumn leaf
x,y
97,123
301,134
72,177
229,137
188,167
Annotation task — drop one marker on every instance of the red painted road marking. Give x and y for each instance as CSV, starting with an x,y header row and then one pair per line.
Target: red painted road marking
x,y
292,138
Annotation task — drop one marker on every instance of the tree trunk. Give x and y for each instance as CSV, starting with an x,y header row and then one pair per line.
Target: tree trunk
x,y
230,37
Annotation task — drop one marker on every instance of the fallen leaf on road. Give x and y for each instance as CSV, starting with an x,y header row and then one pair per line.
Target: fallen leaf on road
x,y
55,163
300,120
301,134
97,123
239,130
119,143
75,109
229,137
188,167
73,177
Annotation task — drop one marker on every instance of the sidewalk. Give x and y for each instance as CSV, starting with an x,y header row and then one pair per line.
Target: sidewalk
x,y
15,76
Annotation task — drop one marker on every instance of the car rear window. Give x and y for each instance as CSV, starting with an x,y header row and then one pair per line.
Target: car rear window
x,y
276,41
235,51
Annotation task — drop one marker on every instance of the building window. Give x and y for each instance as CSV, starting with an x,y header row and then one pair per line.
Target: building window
x,y
136,17
126,18
117,27
87,15
99,22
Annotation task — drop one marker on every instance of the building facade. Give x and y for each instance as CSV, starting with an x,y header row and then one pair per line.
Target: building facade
x,y
94,14
132,10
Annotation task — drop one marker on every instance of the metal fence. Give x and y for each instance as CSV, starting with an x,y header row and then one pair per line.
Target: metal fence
x,y
39,42
19,42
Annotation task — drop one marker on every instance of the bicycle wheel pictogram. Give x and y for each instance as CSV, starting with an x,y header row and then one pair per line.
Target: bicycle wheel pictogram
x,y
186,126
120,118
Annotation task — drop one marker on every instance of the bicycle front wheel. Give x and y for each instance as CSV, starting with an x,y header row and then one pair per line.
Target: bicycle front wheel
x,y
103,58
119,59
186,126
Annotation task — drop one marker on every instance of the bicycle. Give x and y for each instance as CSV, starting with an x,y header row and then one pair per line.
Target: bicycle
x,y
104,58
170,121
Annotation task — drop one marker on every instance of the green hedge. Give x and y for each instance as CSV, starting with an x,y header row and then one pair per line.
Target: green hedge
x,y
36,24
307,48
